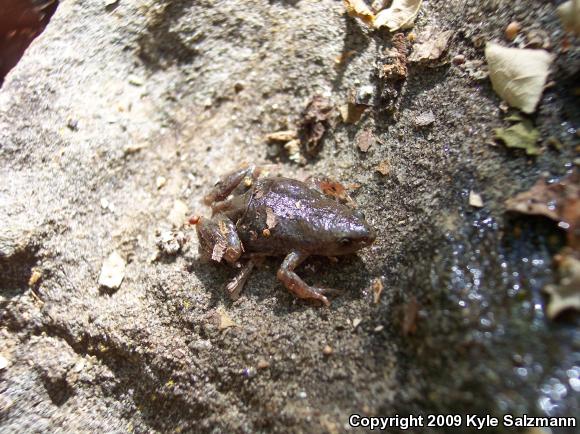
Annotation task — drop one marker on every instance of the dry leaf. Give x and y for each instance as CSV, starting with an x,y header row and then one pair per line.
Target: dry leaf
x,y
432,43
359,9
331,188
522,135
569,13
518,75
377,287
351,113
384,167
566,293
34,277
225,321
558,201
293,150
314,123
282,136
395,66
401,15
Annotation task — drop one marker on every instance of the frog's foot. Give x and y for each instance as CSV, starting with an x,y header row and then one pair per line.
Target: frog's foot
x,y
234,288
218,239
228,183
295,284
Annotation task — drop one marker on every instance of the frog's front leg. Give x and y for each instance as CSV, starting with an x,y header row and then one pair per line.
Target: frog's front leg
x,y
228,183
218,239
294,283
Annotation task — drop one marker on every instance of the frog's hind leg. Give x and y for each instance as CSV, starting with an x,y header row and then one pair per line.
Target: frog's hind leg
x,y
218,239
294,283
228,183
234,288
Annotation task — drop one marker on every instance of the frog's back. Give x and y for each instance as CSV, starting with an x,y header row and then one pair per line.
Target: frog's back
x,y
285,215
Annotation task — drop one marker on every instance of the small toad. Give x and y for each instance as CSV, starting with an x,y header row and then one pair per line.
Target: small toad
x,y
255,217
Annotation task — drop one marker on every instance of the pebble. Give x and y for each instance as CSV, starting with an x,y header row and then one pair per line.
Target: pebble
x,y
160,182
34,278
512,30
112,272
365,95
459,59
327,350
475,199
3,363
424,119
135,80
171,243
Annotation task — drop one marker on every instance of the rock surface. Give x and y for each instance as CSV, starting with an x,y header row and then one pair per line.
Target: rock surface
x,y
114,95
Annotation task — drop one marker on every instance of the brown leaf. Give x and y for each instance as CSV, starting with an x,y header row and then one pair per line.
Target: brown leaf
x,y
395,68
351,112
384,167
314,123
559,201
565,294
359,9
432,43
377,287
282,136
332,188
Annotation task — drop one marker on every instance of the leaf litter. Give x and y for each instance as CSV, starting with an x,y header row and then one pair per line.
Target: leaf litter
x,y
521,135
431,44
560,202
400,14
518,75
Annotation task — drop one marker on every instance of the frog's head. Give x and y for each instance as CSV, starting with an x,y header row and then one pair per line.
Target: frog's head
x,y
351,234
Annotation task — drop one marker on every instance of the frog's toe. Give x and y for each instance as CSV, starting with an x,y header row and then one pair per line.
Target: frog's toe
x,y
324,301
333,292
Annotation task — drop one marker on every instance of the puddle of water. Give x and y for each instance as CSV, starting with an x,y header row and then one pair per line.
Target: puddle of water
x,y
486,326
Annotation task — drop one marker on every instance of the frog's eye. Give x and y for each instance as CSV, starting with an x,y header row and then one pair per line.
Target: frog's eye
x,y
344,241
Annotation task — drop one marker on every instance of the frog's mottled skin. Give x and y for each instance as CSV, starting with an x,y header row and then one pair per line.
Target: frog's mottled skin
x,y
278,217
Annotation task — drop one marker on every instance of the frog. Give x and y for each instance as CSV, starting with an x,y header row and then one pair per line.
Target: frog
x,y
256,216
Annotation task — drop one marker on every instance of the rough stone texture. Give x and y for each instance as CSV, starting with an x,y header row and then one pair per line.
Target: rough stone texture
x,y
108,99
